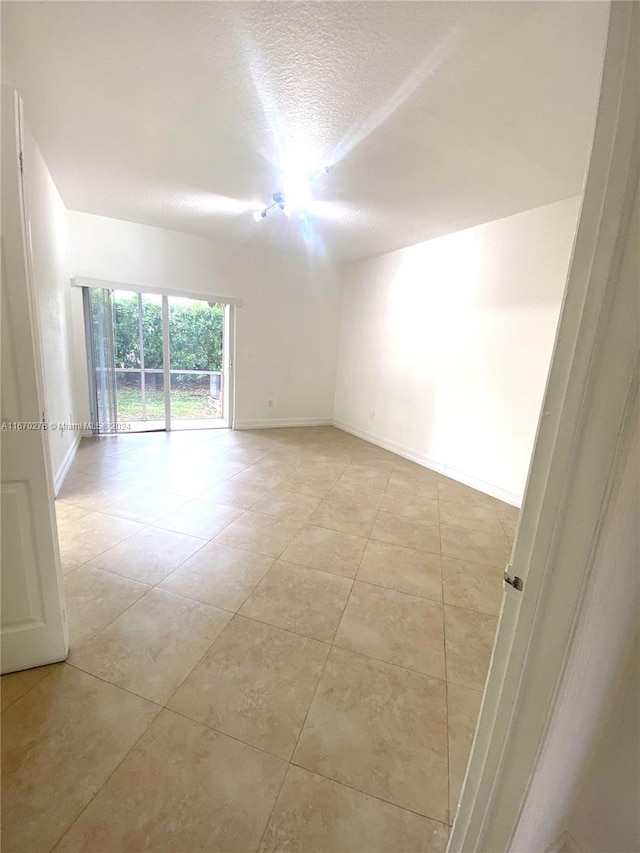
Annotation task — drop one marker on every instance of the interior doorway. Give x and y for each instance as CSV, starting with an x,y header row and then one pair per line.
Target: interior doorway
x,y
156,362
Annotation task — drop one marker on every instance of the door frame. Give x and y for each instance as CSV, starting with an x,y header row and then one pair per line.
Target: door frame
x,y
531,745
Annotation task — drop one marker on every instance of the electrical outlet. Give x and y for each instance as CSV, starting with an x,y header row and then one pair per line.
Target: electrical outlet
x,y
270,404
372,415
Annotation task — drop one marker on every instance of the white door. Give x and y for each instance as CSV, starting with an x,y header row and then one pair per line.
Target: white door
x,y
535,728
32,623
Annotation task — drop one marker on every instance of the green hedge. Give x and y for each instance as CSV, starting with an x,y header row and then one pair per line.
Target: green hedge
x,y
195,335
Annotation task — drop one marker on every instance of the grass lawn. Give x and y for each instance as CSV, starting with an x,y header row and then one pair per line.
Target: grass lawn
x,y
184,404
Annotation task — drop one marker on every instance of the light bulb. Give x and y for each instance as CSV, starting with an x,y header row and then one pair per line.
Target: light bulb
x,y
257,215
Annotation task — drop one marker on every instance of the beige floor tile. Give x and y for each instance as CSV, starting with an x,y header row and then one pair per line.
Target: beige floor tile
x,y
94,495
247,455
94,599
204,519
144,505
404,569
235,494
327,550
408,532
413,470
477,546
316,815
189,481
16,684
219,575
220,469
154,645
60,743
373,475
422,484
411,506
356,494
451,490
381,729
67,565
369,454
92,534
306,601
261,477
149,556
377,722
256,684
463,707
100,464
324,467
345,516
509,516
67,512
468,638
182,788
287,505
472,585
394,627
262,534
471,517
316,484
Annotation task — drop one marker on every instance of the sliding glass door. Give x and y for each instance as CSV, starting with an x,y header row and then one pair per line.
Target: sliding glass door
x,y
155,362
139,360
196,348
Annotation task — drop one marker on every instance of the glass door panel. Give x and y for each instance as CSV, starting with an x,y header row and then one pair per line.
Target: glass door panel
x,y
139,361
196,352
98,310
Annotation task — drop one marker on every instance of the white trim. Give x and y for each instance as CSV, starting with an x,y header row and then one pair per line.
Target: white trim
x,y
229,366
433,465
166,363
67,462
291,422
79,281
531,740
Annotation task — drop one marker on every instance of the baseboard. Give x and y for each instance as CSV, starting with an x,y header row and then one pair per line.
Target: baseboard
x,y
292,422
433,464
67,462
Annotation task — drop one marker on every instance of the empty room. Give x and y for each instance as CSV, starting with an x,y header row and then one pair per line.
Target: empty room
x,y
295,301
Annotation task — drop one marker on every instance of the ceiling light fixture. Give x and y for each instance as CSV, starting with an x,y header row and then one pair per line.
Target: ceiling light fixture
x,y
295,196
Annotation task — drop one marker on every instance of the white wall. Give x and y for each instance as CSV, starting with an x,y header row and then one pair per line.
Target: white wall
x,y
445,346
48,232
286,330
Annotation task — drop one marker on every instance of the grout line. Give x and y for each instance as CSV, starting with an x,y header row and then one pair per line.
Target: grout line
x,y
373,796
399,591
115,769
45,677
286,630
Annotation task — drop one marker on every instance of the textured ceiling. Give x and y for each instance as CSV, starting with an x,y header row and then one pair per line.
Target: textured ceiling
x,y
434,115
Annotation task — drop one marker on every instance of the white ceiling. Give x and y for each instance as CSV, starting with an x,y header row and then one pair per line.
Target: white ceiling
x,y
434,115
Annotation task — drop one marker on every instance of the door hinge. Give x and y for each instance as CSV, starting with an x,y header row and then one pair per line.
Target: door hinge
x,y
512,580
21,161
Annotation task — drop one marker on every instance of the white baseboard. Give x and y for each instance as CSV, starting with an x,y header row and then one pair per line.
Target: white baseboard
x,y
274,424
67,462
433,464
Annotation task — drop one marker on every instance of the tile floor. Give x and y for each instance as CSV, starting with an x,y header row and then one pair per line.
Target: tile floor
x,y
279,640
